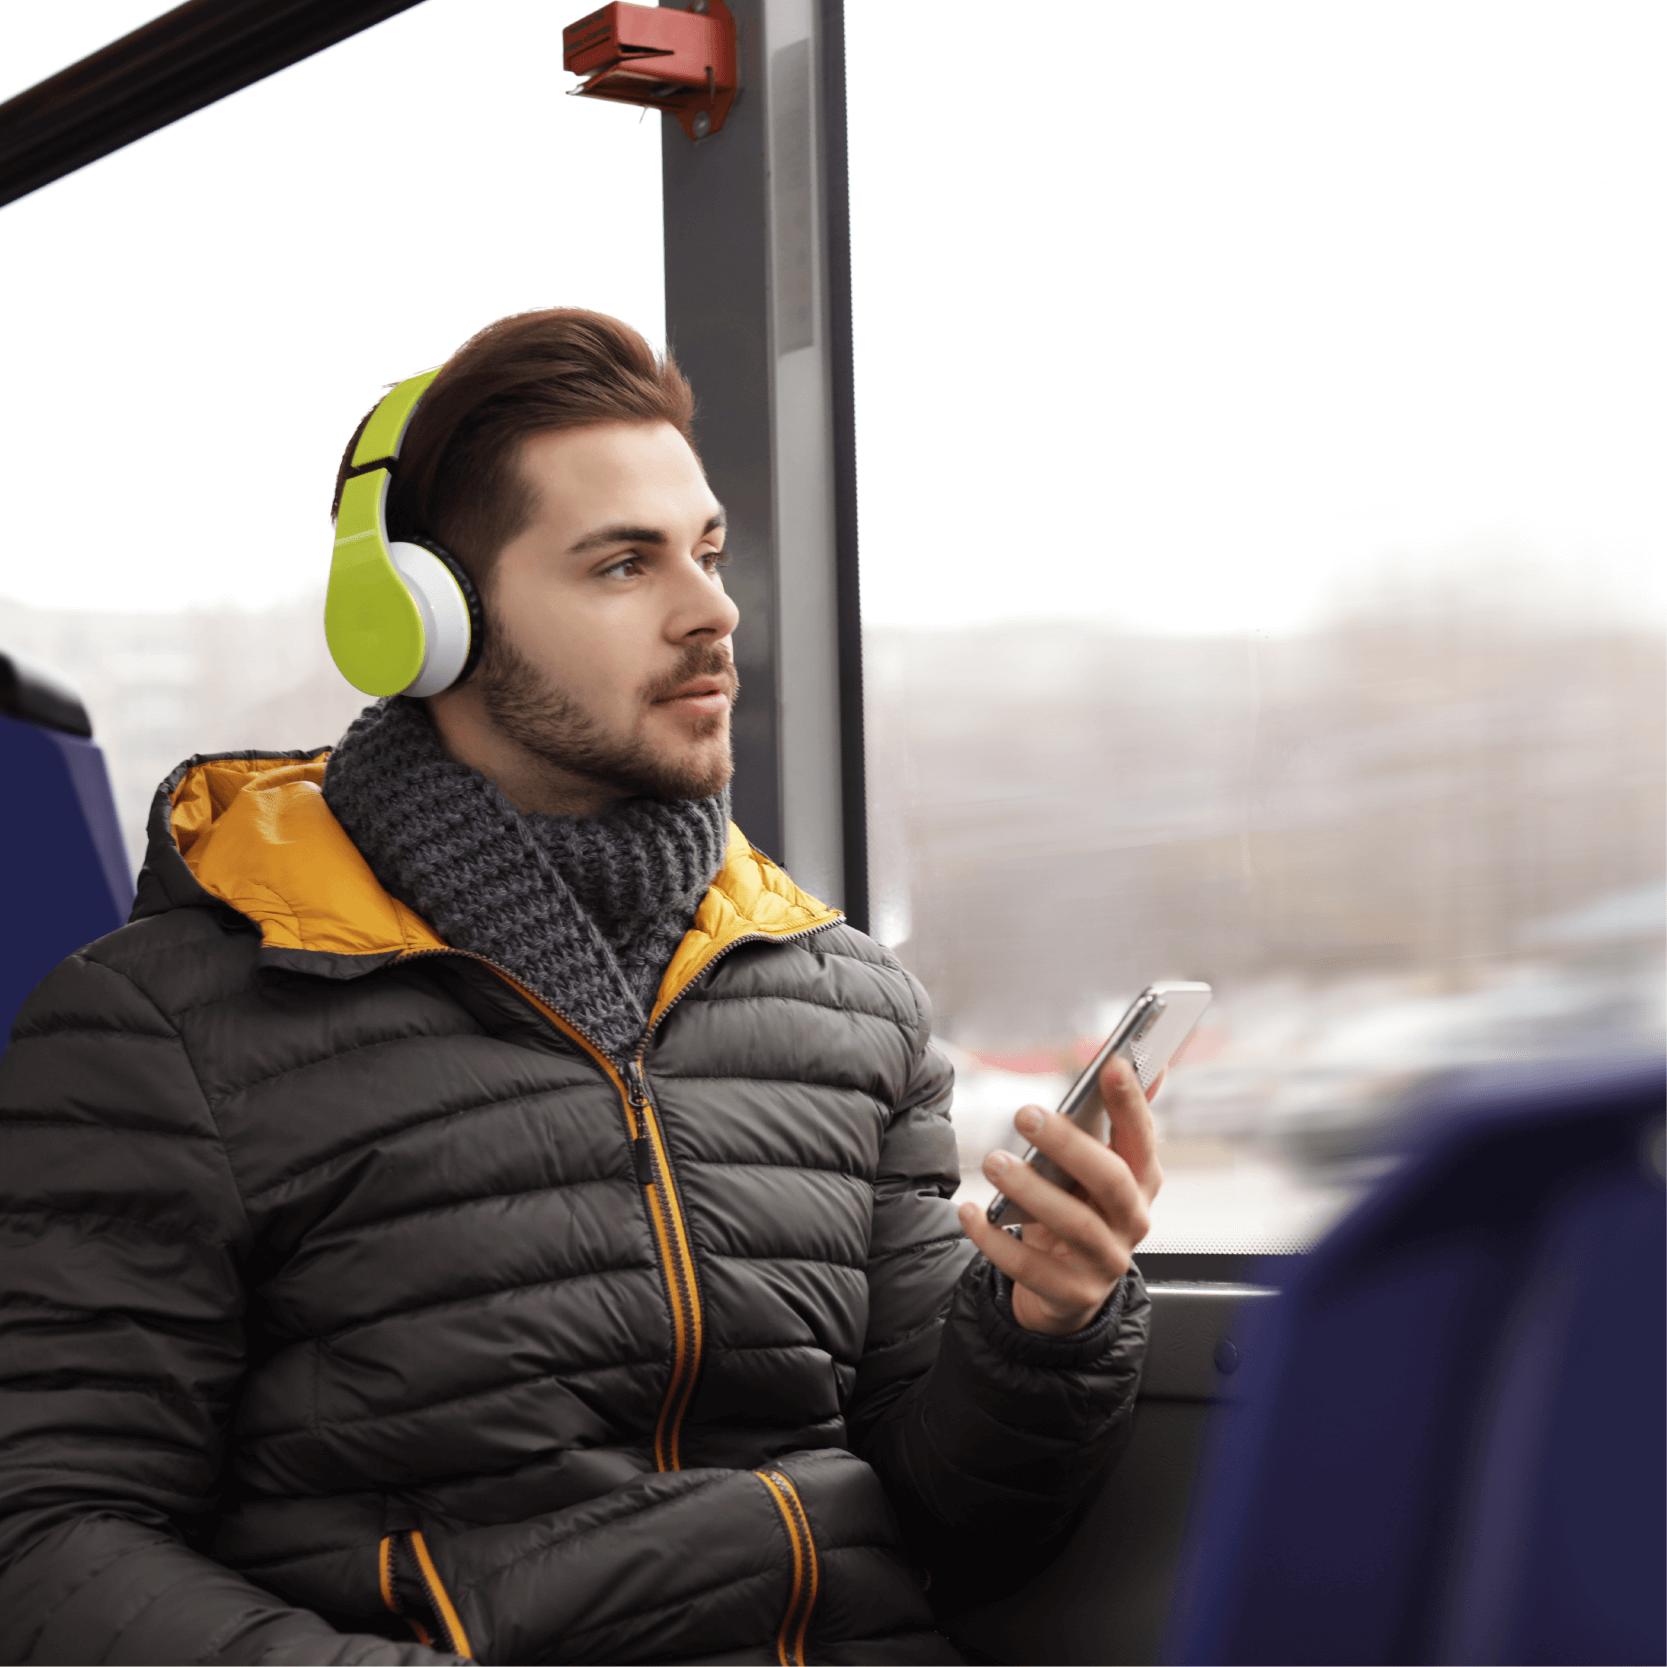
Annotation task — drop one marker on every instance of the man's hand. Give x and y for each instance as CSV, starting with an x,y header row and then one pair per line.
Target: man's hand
x,y
1078,1244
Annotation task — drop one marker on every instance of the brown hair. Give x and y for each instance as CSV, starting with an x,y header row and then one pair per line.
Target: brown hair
x,y
459,478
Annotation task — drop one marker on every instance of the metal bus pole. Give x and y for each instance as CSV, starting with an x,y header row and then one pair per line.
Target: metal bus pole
x,y
758,313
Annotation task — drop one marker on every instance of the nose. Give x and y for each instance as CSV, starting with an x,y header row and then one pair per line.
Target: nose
x,y
703,608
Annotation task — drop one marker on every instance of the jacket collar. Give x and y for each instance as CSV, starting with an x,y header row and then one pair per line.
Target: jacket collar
x,y
254,833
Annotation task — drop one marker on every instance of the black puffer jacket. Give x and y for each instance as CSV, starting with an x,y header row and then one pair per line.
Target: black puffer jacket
x,y
348,1296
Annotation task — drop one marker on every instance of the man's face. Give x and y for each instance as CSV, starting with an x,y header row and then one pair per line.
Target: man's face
x,y
608,640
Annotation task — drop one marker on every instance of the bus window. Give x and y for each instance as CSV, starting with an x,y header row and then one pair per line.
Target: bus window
x,y
207,313
1262,558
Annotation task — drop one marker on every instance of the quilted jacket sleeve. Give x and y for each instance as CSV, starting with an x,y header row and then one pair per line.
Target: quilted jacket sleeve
x,y
121,1348
974,1423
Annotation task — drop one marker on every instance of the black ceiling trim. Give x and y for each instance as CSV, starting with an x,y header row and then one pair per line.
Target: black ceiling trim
x,y
180,62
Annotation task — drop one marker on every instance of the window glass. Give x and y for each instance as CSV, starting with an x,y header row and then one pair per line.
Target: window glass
x,y
1259,432
195,324
1257,421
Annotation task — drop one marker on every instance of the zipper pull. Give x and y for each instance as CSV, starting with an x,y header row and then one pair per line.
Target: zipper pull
x,y
636,1089
642,1153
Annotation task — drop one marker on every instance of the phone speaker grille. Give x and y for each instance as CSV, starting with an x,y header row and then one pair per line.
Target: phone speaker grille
x,y
1142,1062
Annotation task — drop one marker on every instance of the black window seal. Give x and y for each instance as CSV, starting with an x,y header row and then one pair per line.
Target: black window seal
x,y
176,64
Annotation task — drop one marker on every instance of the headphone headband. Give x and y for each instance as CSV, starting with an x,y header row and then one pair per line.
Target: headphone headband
x,y
384,430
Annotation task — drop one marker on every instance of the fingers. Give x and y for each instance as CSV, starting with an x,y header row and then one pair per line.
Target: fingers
x,y
1079,1220
1134,1135
1050,1293
1111,1190
998,1245
1076,1246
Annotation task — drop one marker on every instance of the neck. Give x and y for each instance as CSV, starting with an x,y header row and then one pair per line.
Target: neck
x,y
532,784
586,911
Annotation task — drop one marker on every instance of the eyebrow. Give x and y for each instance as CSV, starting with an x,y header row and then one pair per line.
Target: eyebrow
x,y
622,532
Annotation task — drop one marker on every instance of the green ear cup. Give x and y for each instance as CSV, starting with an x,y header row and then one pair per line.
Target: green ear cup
x,y
371,623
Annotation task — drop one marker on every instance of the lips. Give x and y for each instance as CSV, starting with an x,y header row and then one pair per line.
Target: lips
x,y
703,680
701,688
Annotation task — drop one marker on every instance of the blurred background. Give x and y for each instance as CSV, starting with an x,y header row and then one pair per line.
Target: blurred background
x,y
1259,431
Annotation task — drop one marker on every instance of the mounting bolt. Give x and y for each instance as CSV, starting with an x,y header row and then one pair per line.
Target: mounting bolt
x,y
703,124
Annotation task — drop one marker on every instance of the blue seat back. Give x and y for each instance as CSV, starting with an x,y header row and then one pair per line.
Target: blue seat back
x,y
1450,1443
64,875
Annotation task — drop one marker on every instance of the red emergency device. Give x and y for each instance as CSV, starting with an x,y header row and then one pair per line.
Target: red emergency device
x,y
680,62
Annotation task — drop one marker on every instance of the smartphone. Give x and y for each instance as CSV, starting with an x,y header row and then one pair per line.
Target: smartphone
x,y
1149,1035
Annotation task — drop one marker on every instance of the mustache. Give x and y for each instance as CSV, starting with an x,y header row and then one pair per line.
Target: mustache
x,y
701,659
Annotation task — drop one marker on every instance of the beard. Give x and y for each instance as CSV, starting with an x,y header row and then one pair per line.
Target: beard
x,y
554,727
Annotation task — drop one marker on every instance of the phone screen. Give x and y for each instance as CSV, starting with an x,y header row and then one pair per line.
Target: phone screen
x,y
1148,1035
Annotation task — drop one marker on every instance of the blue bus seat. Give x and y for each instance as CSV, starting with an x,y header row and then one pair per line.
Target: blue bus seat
x,y
64,875
1449,1446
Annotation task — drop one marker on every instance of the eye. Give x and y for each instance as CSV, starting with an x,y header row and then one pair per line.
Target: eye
x,y
714,561
627,567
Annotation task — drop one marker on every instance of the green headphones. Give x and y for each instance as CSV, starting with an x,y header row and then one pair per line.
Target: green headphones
x,y
400,619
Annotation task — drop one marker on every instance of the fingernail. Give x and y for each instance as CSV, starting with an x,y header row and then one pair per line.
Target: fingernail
x,y
997,1162
1029,1120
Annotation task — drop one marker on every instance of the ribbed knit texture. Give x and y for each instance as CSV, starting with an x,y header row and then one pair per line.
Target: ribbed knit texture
x,y
586,911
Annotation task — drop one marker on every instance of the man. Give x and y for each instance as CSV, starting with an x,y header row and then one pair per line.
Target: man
x,y
479,1207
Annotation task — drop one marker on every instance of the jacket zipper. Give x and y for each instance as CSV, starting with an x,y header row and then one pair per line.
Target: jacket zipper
x,y
413,1590
665,1211
654,1175
689,1331
807,1577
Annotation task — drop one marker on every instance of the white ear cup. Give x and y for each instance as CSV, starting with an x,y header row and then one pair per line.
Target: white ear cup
x,y
440,601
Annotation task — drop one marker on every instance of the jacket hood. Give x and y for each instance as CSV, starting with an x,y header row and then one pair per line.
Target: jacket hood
x,y
251,831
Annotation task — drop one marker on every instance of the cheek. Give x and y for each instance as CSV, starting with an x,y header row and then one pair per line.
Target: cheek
x,y
592,660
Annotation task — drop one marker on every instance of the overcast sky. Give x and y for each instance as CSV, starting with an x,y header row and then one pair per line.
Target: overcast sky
x,y
1183,315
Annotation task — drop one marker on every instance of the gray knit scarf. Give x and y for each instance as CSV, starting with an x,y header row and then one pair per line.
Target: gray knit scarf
x,y
586,911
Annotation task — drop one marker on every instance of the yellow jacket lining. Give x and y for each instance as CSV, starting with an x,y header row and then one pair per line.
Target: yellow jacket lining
x,y
257,834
